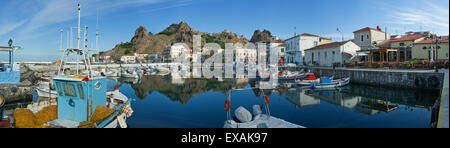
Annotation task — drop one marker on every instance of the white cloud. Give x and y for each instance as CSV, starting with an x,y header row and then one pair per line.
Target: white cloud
x,y
53,12
6,27
428,15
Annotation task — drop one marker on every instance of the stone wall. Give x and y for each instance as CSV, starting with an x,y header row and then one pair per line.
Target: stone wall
x,y
417,79
386,78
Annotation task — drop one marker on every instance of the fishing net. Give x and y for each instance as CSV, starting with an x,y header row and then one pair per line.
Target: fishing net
x,y
47,114
100,114
24,118
87,124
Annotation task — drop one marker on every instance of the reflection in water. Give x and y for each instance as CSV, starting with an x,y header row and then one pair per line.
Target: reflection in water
x,y
199,103
182,90
364,99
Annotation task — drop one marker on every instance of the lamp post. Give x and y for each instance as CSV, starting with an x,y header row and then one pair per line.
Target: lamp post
x,y
337,29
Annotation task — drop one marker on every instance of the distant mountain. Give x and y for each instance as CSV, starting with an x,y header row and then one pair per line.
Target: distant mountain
x,y
144,42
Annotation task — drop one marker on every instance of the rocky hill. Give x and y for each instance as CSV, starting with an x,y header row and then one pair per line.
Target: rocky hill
x,y
144,42
259,36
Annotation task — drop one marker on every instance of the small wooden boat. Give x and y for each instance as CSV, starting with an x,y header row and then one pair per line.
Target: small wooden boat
x,y
310,77
290,75
329,83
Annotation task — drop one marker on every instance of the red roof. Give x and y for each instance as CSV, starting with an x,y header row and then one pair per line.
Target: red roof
x,y
444,39
409,38
329,45
367,29
307,34
324,38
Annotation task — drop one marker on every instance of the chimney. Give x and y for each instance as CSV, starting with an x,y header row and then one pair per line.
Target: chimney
x,y
378,28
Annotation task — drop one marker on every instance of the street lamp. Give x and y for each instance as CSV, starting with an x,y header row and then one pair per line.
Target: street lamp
x,y
10,42
337,29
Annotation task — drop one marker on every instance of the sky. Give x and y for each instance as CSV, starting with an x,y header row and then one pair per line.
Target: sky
x,y
35,24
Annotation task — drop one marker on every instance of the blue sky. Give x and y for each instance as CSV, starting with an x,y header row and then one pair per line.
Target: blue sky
x,y
35,24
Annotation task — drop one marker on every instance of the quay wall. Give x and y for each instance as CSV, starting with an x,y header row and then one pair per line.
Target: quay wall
x,y
417,79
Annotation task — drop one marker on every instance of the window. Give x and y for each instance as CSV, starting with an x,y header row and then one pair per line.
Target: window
x,y
69,90
402,44
315,43
367,37
362,38
58,85
80,90
424,47
325,55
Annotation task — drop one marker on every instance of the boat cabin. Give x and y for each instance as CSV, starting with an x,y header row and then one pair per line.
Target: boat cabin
x,y
9,71
79,95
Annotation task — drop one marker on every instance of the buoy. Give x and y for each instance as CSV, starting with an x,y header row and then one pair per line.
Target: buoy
x,y
266,99
227,105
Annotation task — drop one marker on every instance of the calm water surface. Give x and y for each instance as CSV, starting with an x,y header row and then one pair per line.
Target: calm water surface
x,y
162,102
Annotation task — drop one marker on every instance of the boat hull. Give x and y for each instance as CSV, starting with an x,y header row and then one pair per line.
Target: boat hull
x,y
45,93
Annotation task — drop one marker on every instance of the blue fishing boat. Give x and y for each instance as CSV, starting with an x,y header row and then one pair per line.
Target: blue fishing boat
x,y
9,72
83,99
329,83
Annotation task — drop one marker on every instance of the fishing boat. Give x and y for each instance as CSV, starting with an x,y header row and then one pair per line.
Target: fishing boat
x,y
310,77
129,74
110,73
83,101
45,88
10,72
288,75
243,118
162,71
329,83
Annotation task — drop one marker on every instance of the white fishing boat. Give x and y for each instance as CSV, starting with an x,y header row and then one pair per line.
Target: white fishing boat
x,y
329,83
244,119
111,73
288,75
163,71
129,74
45,88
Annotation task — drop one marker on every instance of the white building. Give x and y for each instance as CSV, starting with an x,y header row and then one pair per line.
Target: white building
x,y
178,49
244,55
128,59
327,54
296,46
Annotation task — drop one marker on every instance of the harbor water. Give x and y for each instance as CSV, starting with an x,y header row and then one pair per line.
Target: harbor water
x,y
163,102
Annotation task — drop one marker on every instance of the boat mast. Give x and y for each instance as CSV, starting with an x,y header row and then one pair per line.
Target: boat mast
x,y
78,37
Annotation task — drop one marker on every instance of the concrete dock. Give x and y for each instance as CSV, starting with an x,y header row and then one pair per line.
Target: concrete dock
x,y
416,79
443,110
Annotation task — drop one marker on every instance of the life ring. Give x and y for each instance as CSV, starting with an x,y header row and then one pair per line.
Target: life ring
x,y
266,100
227,105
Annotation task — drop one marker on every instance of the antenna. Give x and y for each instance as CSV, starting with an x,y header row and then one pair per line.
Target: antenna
x,y
96,33
61,39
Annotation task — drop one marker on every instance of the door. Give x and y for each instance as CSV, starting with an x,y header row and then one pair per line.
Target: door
x,y
70,105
